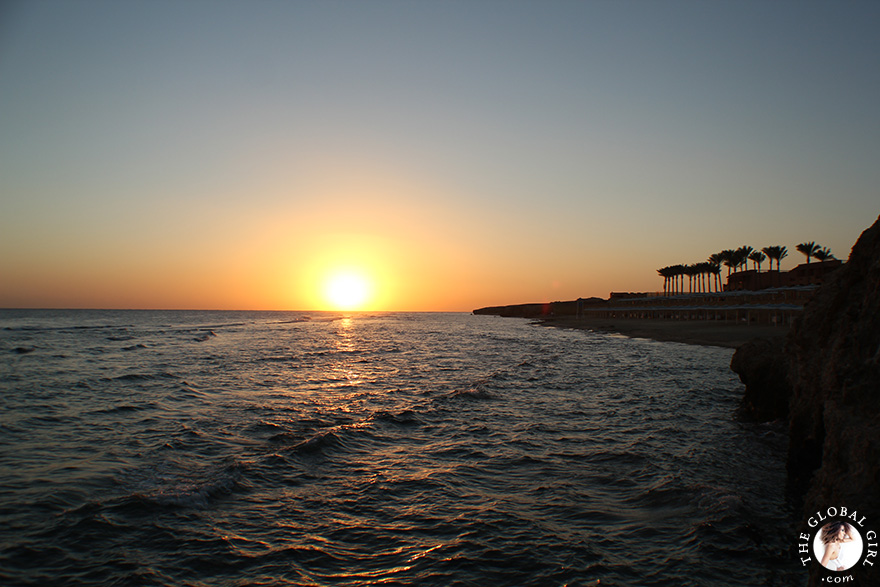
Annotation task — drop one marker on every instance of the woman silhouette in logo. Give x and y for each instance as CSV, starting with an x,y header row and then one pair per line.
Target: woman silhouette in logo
x,y
834,535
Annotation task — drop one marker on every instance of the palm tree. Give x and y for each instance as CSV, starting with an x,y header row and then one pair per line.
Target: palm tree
x,y
676,279
681,270
757,257
728,259
809,249
666,273
772,253
775,253
714,259
715,270
689,271
823,255
698,273
742,254
734,260
782,254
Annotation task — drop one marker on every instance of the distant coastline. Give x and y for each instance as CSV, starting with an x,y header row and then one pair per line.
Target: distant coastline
x,y
750,305
702,319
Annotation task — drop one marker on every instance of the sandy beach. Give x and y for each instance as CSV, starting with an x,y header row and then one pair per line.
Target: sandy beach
x,y
723,334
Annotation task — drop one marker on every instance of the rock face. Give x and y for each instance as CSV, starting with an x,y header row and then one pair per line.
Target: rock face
x,y
834,370
763,368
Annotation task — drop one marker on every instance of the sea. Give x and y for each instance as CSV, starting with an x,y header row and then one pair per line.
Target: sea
x,y
317,449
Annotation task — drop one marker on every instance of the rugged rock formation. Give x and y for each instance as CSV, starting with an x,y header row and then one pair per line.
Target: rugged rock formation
x,y
763,368
834,369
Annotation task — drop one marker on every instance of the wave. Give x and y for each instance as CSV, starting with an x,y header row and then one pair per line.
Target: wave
x,y
472,393
141,377
317,443
189,489
134,347
326,435
406,417
286,438
276,359
193,494
127,408
294,321
198,327
59,328
481,388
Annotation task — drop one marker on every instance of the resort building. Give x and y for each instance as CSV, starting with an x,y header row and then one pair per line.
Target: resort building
x,y
803,274
777,306
749,297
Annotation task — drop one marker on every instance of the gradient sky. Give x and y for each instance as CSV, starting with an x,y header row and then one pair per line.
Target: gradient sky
x,y
226,155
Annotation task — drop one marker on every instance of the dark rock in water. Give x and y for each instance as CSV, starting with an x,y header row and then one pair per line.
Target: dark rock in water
x,y
23,350
763,368
834,362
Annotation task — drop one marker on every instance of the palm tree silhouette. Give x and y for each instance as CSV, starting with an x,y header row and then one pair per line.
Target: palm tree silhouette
x,y
699,273
742,254
809,249
665,273
776,253
783,253
757,257
702,275
728,259
670,276
715,260
680,272
715,269
823,254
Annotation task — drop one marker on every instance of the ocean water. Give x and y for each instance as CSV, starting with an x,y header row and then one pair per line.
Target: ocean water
x,y
234,448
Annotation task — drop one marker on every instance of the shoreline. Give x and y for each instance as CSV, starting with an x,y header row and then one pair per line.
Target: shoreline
x,y
697,332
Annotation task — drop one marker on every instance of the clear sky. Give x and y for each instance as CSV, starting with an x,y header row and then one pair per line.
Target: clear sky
x,y
458,154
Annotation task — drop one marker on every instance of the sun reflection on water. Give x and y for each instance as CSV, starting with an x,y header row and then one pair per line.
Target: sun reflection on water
x,y
342,370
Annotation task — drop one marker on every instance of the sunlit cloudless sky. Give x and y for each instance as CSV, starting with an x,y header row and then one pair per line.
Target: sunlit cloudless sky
x,y
229,155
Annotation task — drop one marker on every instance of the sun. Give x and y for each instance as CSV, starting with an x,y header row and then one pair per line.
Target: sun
x,y
347,290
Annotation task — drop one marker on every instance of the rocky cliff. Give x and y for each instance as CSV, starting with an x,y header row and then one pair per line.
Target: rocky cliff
x,y
833,352
763,367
